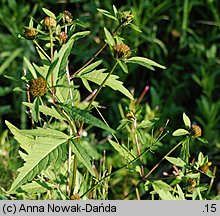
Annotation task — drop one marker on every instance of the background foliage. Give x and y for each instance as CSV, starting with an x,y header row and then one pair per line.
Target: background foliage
x,y
182,35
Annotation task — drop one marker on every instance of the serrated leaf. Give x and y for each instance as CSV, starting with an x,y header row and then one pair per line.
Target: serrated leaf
x,y
30,67
49,13
47,146
84,116
180,132
176,161
90,67
82,156
98,76
36,187
122,150
46,111
109,37
144,62
186,120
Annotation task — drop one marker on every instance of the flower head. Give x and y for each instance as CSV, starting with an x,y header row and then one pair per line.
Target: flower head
x,y
127,17
50,22
62,37
30,33
205,167
196,131
67,16
38,87
121,51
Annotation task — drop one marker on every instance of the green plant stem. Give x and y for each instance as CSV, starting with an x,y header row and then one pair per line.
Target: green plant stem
x,y
97,92
75,161
87,63
97,53
164,157
100,87
41,49
51,56
149,173
138,146
124,166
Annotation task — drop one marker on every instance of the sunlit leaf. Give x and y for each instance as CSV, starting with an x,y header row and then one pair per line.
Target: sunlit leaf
x,y
180,132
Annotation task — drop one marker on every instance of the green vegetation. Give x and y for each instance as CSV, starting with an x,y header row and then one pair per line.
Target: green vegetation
x,y
110,101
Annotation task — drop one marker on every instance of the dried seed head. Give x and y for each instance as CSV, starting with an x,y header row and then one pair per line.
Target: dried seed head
x,y
38,87
127,17
75,197
68,17
196,131
62,37
121,51
30,33
205,167
50,22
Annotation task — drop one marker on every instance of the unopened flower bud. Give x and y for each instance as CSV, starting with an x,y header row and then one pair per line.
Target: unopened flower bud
x,y
196,131
38,87
50,22
121,51
205,167
75,197
62,37
130,116
67,16
127,17
30,33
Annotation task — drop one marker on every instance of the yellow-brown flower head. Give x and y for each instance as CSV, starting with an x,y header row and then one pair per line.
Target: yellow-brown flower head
x,y
127,17
50,22
62,37
38,87
75,197
205,167
121,51
68,17
30,33
196,131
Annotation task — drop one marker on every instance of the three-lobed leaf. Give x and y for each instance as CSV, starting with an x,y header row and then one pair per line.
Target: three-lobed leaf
x,y
98,76
47,146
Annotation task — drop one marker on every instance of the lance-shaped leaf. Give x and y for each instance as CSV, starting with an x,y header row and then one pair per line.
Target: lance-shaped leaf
x,y
82,156
97,76
144,62
47,146
84,116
